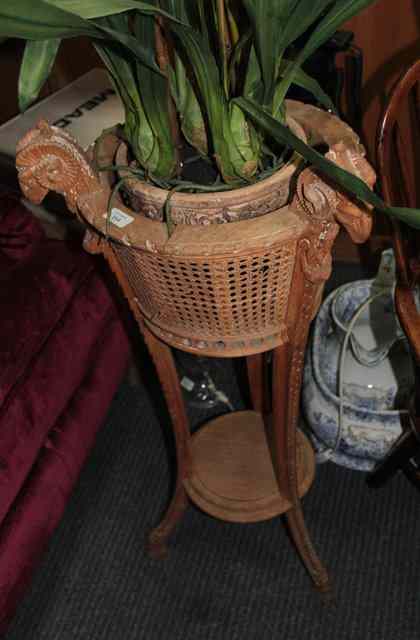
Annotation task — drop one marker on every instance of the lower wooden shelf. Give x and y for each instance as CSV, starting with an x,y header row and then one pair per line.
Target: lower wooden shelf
x,y
233,477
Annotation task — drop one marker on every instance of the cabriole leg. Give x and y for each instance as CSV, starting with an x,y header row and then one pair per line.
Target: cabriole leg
x,y
287,370
168,377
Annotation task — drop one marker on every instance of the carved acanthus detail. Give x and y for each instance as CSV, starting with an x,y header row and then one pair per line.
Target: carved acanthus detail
x,y
317,201
315,254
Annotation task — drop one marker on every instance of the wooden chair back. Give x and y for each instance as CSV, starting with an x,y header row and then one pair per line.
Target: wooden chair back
x,y
398,164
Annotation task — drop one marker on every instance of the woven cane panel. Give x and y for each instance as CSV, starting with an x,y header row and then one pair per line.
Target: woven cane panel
x,y
213,298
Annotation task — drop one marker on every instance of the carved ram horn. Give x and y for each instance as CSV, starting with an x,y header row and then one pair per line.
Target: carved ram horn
x,y
319,199
355,217
49,159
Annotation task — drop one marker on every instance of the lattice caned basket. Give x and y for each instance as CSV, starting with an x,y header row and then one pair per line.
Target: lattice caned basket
x,y
220,291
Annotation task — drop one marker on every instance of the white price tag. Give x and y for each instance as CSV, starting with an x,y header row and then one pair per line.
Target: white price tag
x,y
120,219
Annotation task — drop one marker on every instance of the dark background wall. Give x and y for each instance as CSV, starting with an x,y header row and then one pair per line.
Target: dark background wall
x,y
389,34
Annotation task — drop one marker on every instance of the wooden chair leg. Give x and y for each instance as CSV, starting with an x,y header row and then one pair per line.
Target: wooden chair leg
x,y
398,458
412,470
287,371
168,377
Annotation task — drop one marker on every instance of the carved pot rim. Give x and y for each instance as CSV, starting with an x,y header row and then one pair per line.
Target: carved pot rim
x,y
310,123
45,149
255,196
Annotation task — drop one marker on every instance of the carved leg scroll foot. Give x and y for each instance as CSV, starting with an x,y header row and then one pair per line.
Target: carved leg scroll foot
x,y
300,535
287,368
157,545
295,518
168,377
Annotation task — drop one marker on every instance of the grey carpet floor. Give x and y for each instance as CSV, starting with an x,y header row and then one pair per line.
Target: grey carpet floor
x,y
220,581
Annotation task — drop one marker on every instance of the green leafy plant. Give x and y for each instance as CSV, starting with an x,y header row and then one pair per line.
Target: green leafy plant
x,y
214,73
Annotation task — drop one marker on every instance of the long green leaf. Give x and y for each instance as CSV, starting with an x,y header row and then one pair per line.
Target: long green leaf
x,y
253,85
43,21
122,66
340,11
268,18
235,58
304,81
347,181
40,21
121,69
99,8
142,53
207,77
190,113
230,153
303,16
37,62
155,99
276,24
243,143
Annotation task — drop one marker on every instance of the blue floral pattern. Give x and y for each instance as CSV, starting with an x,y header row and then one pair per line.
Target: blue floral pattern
x,y
371,418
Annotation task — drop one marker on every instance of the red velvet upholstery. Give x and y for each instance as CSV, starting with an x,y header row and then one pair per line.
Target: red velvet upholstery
x,y
63,351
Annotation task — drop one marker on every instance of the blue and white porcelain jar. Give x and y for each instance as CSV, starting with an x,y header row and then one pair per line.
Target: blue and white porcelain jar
x,y
376,375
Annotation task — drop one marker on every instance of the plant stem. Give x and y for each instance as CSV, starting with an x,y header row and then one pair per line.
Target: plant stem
x,y
225,43
164,61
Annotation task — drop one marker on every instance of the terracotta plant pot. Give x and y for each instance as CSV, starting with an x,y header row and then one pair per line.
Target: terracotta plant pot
x,y
225,206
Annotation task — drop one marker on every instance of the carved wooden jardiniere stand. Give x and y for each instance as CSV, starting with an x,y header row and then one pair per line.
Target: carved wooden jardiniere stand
x,y
238,289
